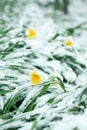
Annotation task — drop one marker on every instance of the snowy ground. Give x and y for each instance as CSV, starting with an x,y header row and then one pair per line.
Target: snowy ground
x,y
22,105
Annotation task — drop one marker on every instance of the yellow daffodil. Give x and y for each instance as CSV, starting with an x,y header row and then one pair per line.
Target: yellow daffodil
x,y
36,78
31,33
68,43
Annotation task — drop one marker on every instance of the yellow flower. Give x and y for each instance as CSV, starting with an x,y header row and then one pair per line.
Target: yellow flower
x,y
31,33
36,78
68,43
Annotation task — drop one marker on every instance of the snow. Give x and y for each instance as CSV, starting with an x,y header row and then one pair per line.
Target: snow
x,y
33,16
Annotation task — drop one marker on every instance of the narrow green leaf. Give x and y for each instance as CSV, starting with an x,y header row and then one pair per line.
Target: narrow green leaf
x,y
34,125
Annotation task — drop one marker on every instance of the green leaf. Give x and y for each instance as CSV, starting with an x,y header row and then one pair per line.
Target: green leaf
x,y
61,84
34,125
54,37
